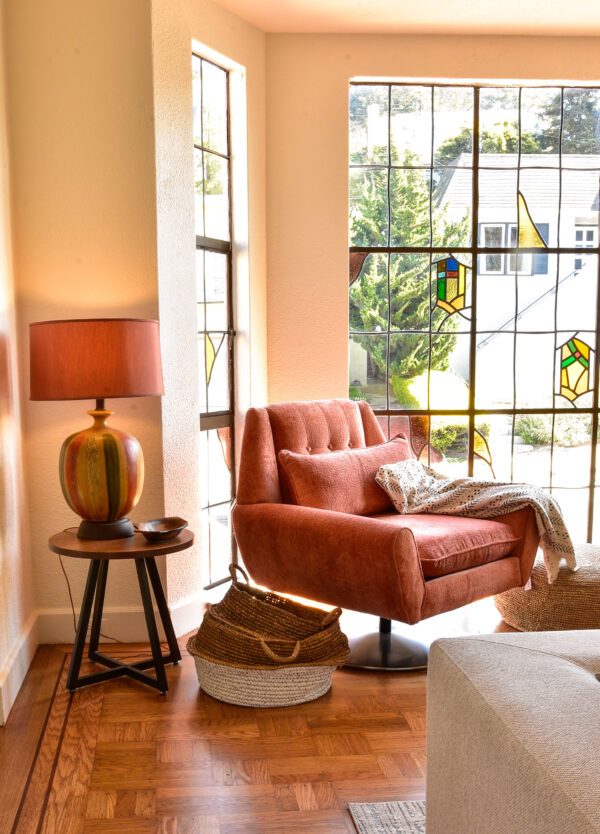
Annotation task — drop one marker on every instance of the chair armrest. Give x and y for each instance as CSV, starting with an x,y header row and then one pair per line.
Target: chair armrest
x,y
359,563
524,526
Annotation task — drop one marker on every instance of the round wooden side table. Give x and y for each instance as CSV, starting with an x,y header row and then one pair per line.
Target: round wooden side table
x,y
100,553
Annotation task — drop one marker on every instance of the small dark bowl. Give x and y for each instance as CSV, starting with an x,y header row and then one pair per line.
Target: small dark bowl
x,y
161,529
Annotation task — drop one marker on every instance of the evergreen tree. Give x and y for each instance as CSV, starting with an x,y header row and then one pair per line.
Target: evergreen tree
x,y
580,123
502,138
409,283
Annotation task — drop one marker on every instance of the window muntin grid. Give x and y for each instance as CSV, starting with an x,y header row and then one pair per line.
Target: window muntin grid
x,y
538,285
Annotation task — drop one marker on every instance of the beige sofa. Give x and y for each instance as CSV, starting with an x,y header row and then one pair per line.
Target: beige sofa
x,y
513,734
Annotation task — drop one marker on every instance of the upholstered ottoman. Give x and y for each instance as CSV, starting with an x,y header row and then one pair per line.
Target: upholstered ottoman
x,y
513,734
572,601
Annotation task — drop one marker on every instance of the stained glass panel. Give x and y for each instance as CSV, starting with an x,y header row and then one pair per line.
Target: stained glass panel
x,y
578,203
572,435
452,207
575,368
369,222
411,125
540,126
214,108
534,370
580,121
409,286
453,126
541,190
536,309
410,204
529,235
368,363
578,280
214,315
369,114
498,124
216,196
369,295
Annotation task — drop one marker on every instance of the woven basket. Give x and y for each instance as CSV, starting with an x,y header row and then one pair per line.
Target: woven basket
x,y
263,687
257,649
571,602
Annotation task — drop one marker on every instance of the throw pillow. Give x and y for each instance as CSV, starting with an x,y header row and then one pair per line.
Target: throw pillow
x,y
342,481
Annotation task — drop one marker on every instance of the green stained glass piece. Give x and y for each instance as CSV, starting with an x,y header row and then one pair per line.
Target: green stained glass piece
x,y
441,290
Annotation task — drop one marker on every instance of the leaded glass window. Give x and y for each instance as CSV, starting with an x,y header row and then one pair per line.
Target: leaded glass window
x,y
474,264
210,85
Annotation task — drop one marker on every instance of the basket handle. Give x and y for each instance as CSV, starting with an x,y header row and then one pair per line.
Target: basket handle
x,y
270,653
232,572
331,617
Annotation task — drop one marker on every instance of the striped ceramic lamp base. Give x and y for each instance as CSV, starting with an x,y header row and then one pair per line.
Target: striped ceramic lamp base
x,y
101,474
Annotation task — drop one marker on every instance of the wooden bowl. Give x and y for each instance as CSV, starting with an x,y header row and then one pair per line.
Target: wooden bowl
x,y
161,529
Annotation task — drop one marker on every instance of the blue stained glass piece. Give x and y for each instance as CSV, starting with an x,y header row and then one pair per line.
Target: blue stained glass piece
x,y
451,263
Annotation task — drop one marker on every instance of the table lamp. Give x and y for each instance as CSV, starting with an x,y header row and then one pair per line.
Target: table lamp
x,y
101,469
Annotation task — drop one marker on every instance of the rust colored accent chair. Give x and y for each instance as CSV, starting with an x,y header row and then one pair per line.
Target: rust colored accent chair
x,y
310,520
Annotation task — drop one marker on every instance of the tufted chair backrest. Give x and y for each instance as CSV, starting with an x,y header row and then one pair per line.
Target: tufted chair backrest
x,y
314,427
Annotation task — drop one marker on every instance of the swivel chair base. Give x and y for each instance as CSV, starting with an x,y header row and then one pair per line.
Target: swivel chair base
x,y
385,651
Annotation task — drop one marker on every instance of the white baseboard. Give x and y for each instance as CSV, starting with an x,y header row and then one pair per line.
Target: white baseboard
x,y
125,623
55,625
14,669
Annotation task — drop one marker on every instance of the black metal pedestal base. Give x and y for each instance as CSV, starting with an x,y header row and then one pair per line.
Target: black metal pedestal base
x,y
386,651
95,588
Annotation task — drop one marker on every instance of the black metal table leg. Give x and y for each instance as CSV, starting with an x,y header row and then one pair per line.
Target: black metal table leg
x,y
163,609
82,626
98,608
157,657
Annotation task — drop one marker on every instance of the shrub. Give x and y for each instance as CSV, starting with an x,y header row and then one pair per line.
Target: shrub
x,y
569,430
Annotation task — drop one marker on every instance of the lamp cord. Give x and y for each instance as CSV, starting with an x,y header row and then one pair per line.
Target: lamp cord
x,y
106,636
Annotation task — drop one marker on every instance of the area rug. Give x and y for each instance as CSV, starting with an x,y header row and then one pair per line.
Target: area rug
x,y
388,817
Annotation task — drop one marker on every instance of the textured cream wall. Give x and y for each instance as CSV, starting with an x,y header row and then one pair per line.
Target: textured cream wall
x,y
176,25
16,592
99,113
307,152
84,218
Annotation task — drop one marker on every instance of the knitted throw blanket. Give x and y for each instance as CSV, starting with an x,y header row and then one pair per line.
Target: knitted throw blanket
x,y
415,488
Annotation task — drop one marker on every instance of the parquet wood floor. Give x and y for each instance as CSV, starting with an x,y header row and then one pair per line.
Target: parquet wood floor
x,y
118,757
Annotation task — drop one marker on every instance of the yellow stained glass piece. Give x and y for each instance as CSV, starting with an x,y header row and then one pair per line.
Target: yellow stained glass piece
x,y
210,353
582,385
481,447
582,348
529,236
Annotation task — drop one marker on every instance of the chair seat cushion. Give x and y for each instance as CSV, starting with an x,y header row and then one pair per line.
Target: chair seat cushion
x,y
343,481
447,543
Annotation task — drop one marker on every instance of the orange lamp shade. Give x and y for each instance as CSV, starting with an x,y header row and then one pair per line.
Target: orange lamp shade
x,y
82,359
101,469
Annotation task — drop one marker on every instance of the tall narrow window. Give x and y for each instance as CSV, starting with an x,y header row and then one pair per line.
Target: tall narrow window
x,y
474,276
215,313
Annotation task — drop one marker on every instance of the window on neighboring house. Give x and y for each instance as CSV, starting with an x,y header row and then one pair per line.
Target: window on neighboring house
x,y
214,311
474,272
586,237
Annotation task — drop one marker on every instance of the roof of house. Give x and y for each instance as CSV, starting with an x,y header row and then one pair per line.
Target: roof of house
x,y
538,181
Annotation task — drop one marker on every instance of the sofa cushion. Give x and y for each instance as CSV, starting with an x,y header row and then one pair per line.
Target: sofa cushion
x,y
342,481
447,543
